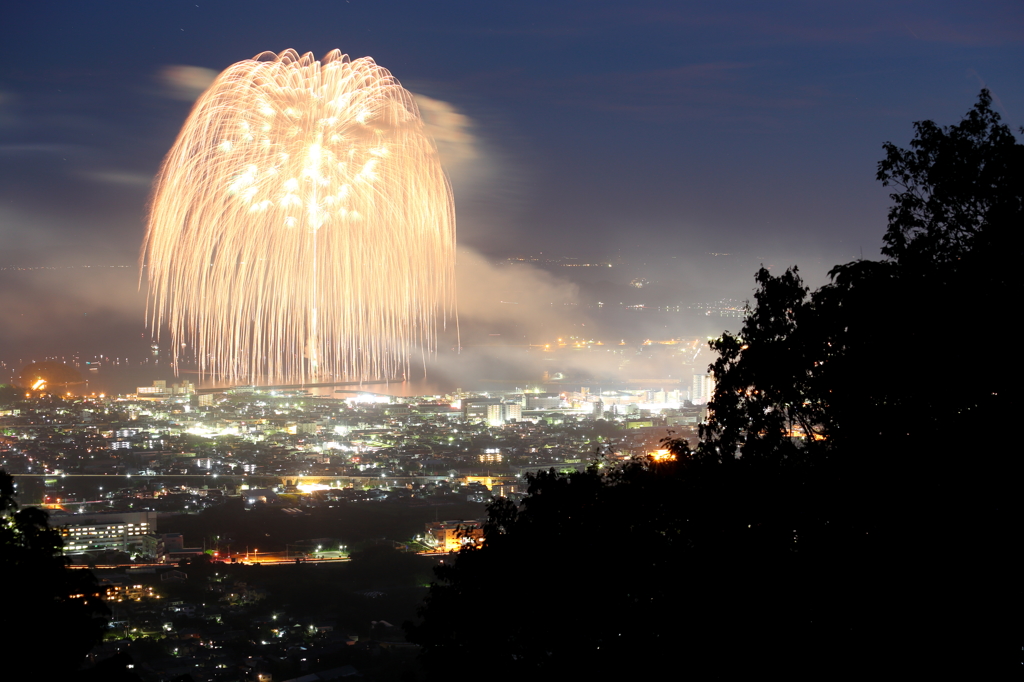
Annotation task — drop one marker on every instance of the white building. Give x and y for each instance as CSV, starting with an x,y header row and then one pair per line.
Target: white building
x,y
103,530
703,389
504,413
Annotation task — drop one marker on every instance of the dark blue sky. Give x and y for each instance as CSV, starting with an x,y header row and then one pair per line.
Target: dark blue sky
x,y
600,127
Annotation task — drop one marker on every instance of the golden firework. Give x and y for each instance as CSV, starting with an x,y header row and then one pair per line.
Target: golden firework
x,y
302,226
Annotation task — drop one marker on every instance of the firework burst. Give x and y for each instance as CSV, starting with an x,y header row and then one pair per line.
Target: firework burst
x,y
302,227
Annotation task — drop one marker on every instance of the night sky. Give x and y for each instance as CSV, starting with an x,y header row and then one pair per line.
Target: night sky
x,y
580,128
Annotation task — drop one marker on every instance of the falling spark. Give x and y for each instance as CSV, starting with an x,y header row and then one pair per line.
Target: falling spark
x,y
302,227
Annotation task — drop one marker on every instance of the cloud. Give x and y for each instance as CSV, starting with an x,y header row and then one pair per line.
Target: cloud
x,y
977,30
486,180
36,148
504,312
519,296
60,310
452,133
127,178
25,236
69,235
861,24
185,82
719,90
7,100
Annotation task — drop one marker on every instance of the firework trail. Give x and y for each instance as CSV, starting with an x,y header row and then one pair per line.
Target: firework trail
x,y
302,226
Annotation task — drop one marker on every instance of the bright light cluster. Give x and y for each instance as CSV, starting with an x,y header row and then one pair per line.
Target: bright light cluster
x,y
302,227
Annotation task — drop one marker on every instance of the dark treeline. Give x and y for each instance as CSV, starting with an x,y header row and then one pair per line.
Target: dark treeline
x,y
53,615
838,518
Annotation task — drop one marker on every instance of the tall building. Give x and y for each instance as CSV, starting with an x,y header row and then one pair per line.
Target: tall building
x,y
477,409
703,389
494,415
502,413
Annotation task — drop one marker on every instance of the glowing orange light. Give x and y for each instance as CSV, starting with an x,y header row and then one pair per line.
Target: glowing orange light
x,y
663,455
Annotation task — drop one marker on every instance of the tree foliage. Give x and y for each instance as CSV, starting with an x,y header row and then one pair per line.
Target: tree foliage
x,y
904,431
869,356
874,367
958,187
54,615
688,566
827,521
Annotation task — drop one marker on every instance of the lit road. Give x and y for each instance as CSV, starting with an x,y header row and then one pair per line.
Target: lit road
x,y
270,559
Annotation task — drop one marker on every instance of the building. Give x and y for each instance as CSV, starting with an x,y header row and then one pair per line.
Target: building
x,y
476,409
687,416
507,488
451,536
502,413
101,531
160,391
703,389
542,401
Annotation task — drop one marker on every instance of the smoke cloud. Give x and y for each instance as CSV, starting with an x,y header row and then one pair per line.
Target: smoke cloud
x,y
185,83
452,132
500,297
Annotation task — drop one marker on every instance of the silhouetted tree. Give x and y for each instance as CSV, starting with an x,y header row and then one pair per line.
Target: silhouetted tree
x,y
870,355
904,434
828,524
685,566
961,189
53,614
384,567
